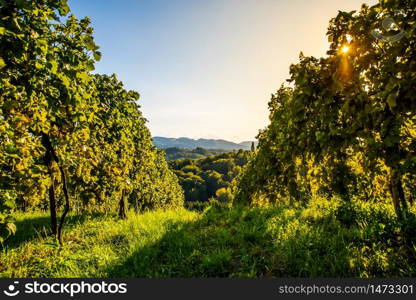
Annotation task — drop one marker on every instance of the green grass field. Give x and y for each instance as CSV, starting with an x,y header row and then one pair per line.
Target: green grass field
x,y
323,239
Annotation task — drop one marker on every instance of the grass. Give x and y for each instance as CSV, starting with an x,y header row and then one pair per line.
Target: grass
x,y
93,244
322,239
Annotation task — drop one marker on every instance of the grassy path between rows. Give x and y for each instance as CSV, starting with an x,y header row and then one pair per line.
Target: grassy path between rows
x,y
322,240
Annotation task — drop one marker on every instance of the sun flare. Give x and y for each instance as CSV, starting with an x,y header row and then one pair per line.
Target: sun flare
x,y
345,49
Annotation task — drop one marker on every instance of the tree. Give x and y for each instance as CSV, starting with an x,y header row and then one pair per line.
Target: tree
x,y
44,76
356,102
58,118
202,178
382,97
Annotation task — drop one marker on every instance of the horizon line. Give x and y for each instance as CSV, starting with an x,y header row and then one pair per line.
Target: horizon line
x,y
202,138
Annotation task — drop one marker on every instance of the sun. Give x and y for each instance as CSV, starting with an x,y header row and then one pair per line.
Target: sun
x,y
345,49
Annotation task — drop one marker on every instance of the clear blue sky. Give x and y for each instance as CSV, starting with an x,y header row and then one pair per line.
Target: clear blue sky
x,y
206,68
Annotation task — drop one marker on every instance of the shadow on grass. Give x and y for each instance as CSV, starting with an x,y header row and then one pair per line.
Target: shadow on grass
x,y
38,227
228,243
265,243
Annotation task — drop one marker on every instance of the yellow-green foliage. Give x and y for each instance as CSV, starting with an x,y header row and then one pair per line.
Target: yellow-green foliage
x,y
345,125
65,132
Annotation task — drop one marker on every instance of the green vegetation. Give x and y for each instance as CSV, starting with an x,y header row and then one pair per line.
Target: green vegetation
x,y
69,139
93,243
202,179
346,125
323,238
329,190
176,153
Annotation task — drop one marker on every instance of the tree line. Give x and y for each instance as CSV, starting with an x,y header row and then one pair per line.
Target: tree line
x,y
175,153
69,139
212,177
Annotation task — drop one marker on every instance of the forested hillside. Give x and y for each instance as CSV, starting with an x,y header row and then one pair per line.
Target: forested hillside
x,y
181,153
187,143
210,177
69,139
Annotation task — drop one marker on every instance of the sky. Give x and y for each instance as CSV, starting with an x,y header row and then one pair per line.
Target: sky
x,y
207,68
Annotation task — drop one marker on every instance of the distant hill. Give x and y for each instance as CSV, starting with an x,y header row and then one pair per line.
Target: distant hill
x,y
176,153
248,144
187,143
